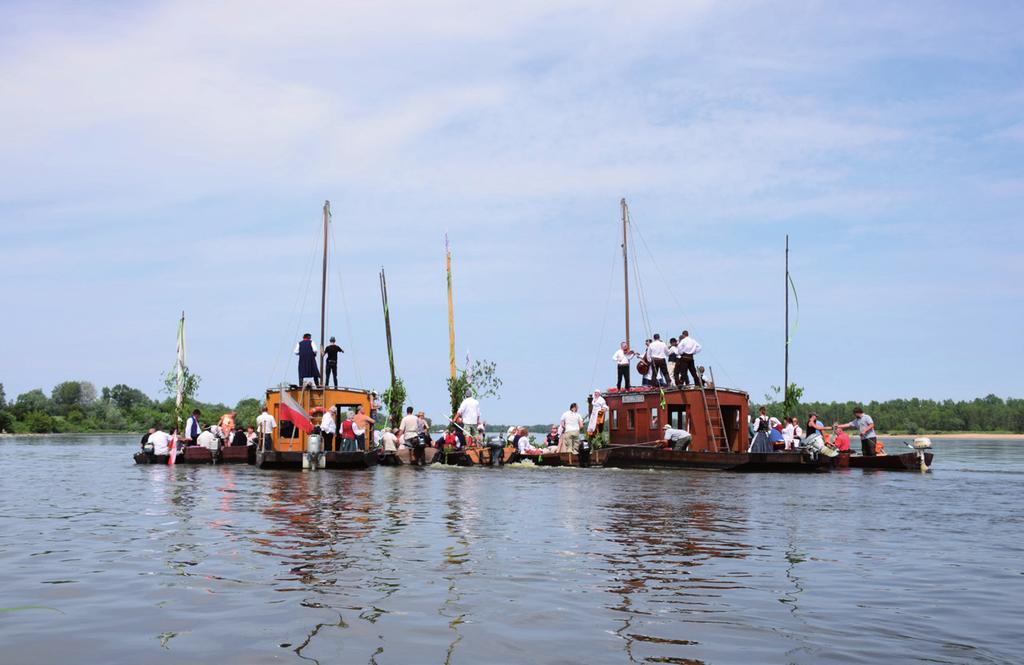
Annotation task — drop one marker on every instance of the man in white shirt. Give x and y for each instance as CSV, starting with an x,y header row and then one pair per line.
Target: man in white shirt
x,y
208,440
787,434
688,347
328,429
622,356
658,351
570,425
265,425
409,428
678,439
469,412
160,440
192,428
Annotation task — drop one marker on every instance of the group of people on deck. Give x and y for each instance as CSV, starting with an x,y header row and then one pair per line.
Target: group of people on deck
x,y
769,434
661,364
212,437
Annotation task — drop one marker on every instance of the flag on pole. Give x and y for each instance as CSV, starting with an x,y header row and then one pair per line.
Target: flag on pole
x,y
292,411
180,365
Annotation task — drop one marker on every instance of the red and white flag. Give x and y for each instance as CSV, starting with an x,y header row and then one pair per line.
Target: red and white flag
x,y
291,410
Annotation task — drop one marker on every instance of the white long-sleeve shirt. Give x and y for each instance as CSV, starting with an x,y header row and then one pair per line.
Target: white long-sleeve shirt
x,y
265,423
316,349
688,346
658,349
327,425
621,357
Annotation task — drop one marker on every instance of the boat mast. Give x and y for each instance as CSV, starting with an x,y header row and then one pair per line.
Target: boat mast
x,y
393,417
451,307
785,380
625,262
323,294
180,371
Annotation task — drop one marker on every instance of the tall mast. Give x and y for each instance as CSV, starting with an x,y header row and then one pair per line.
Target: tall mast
x,y
387,332
785,381
451,307
323,293
625,262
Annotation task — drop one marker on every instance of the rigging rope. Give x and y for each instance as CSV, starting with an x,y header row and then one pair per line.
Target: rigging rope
x,y
604,320
344,305
671,293
797,300
297,310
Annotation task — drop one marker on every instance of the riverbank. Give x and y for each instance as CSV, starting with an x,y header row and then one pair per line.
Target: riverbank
x,y
958,435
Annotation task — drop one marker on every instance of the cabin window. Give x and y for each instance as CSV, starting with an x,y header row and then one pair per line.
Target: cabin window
x,y
631,419
615,419
654,418
285,428
677,416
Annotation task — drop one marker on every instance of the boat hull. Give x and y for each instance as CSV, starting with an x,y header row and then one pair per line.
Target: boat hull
x,y
406,456
237,455
358,459
482,456
652,457
902,462
597,458
149,458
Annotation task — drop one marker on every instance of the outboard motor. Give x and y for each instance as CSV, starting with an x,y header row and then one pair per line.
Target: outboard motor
x,y
584,452
921,444
313,458
815,445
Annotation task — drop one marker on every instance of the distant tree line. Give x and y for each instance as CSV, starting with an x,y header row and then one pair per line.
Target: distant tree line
x,y
915,416
76,406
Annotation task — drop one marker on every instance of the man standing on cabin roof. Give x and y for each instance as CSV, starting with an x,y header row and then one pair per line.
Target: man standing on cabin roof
x,y
331,352
622,356
570,425
688,347
866,426
265,425
659,360
306,351
469,412
192,428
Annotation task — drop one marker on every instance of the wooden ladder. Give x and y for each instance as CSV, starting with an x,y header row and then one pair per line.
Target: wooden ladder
x,y
713,414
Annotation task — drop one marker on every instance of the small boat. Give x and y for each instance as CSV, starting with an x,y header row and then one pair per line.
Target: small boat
x,y
597,458
143,457
406,455
481,455
920,459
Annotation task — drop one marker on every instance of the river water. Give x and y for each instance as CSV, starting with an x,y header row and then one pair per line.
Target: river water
x,y
106,562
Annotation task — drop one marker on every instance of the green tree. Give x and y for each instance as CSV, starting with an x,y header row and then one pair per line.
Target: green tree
x,y
65,395
246,411
126,397
479,379
3,397
32,401
393,401
190,384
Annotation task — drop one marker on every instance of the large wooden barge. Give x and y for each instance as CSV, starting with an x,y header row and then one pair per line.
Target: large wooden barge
x,y
716,419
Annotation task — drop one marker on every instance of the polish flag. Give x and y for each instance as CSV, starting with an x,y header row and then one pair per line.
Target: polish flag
x,y
291,410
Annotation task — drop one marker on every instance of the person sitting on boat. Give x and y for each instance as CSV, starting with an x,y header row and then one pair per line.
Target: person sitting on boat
x,y
816,427
840,439
306,351
250,436
622,356
678,439
239,438
389,440
598,415
798,433
762,426
775,434
144,442
265,425
570,425
208,439
328,429
227,424
192,428
787,434
523,444
705,377
451,439
160,441
552,437
866,426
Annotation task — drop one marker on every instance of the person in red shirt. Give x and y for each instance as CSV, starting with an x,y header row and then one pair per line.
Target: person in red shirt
x,y
840,439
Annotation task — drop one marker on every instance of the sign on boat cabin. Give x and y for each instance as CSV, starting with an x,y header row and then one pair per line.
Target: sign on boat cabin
x,y
637,417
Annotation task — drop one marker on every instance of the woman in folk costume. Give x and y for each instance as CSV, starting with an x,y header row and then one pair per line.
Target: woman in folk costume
x,y
762,427
307,360
598,415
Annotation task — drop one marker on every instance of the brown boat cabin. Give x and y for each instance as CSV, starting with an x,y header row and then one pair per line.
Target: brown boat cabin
x,y
716,418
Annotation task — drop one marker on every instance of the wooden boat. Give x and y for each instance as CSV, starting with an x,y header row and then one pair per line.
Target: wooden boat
x,y
143,457
237,455
597,458
481,455
406,456
909,461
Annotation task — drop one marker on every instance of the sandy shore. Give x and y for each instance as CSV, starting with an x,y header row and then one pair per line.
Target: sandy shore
x,y
956,435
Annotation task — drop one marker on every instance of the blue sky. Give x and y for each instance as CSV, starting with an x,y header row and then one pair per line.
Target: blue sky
x,y
176,155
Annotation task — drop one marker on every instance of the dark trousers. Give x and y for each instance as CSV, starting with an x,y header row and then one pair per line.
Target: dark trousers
x,y
660,366
623,375
497,455
685,366
585,457
332,368
867,446
328,441
419,453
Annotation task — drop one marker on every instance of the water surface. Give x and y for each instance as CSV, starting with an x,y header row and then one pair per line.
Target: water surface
x,y
107,562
